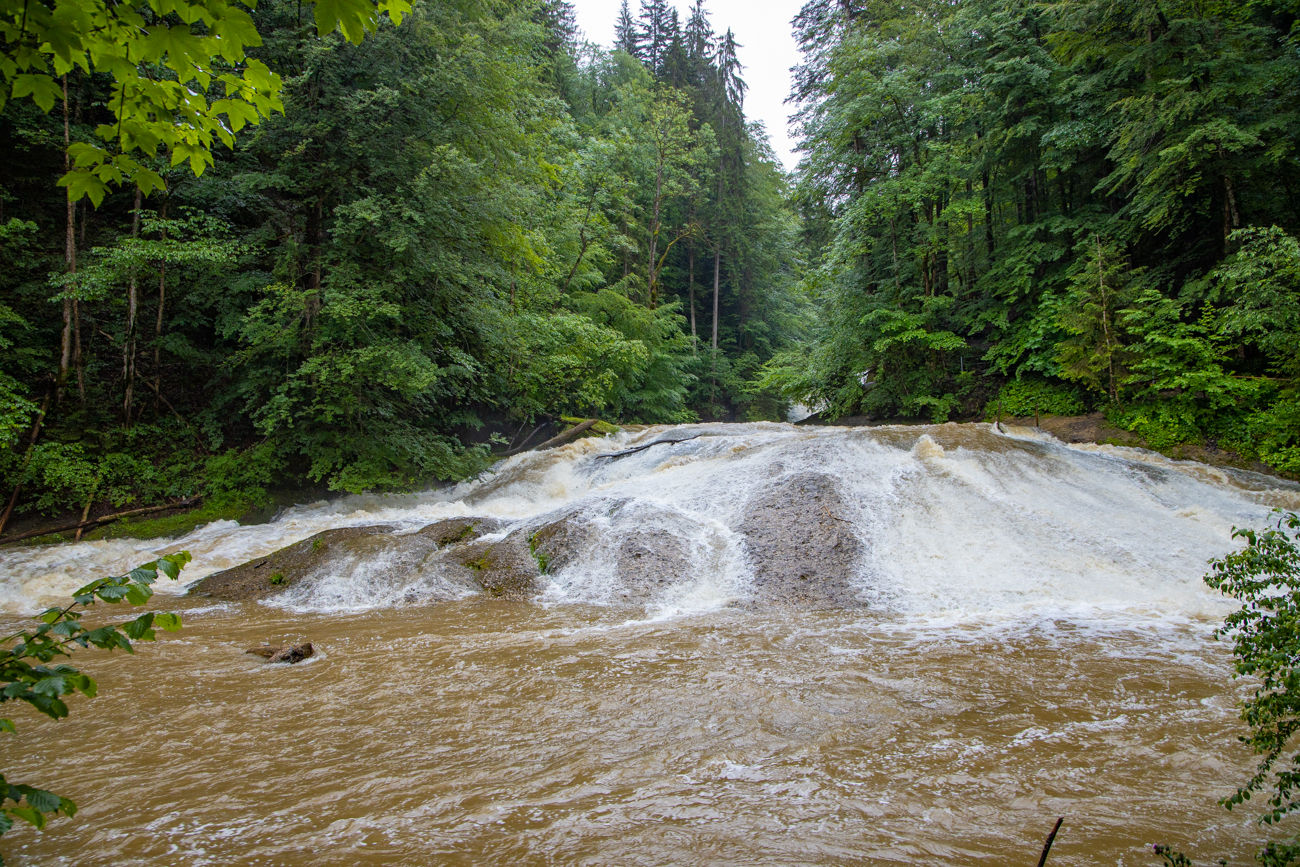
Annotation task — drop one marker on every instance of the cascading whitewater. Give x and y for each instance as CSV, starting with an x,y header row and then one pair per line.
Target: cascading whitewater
x,y
951,519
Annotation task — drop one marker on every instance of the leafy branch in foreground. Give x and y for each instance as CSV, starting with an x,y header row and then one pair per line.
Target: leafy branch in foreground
x,y
26,675
1265,577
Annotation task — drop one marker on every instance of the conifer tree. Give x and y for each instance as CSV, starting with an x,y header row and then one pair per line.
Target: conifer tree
x,y
626,37
654,31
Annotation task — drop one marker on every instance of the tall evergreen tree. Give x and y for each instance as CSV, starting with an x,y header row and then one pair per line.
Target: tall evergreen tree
x,y
626,37
654,33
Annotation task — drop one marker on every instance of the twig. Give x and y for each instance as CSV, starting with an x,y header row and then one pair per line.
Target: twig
x,y
523,446
106,519
1051,838
648,445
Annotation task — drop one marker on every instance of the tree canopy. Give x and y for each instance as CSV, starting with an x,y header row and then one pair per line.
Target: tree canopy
x,y
469,220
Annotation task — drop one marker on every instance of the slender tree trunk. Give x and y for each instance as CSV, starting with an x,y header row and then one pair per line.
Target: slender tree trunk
x,y
132,310
717,267
77,364
1231,219
691,284
941,253
652,275
90,501
158,325
988,217
315,239
69,261
1110,343
970,245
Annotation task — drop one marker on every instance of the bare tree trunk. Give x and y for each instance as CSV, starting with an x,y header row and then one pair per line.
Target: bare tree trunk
x,y
1231,219
69,261
691,284
652,278
988,217
132,310
1105,323
76,351
717,265
158,326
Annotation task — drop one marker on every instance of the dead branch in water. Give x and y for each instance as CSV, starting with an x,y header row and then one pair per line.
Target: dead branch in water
x,y
95,522
648,445
1051,838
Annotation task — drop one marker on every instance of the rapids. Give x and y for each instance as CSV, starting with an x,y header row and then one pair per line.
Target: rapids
x,y
1036,641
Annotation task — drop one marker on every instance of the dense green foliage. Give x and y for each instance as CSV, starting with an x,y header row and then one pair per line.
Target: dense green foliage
x,y
26,674
468,217
1082,194
1265,577
165,58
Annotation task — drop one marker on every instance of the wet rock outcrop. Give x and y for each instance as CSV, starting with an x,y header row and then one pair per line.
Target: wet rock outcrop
x,y
619,540
505,567
798,540
340,549
638,545
801,546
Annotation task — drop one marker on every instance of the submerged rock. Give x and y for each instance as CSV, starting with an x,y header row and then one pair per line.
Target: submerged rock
x,y
341,549
289,653
802,547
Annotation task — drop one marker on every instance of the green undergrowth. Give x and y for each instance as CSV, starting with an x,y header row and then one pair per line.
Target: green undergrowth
x,y
1021,398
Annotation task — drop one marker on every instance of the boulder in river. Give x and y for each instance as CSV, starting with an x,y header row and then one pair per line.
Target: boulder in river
x,y
289,653
801,544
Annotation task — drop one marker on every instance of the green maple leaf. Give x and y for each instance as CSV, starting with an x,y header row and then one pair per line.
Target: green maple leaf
x,y
353,17
43,89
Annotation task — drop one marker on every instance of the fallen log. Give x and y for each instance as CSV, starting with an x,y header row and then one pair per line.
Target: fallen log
x,y
624,454
559,439
96,522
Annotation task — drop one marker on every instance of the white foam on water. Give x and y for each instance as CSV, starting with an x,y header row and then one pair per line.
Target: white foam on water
x,y
960,524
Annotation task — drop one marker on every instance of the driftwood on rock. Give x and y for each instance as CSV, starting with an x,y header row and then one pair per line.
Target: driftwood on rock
x,y
557,440
289,653
562,438
96,522
624,454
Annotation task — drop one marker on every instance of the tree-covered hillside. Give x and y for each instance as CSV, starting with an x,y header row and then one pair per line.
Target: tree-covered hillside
x,y
469,217
1094,203
474,220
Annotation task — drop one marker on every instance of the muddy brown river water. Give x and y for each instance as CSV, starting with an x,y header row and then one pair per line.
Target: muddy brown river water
x,y
1036,643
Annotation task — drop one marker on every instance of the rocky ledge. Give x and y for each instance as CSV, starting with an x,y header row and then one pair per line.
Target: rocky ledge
x,y
797,539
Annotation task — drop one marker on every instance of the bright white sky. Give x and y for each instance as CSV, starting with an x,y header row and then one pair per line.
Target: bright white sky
x,y
763,29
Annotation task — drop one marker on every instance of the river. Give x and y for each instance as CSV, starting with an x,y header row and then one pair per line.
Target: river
x,y
1034,641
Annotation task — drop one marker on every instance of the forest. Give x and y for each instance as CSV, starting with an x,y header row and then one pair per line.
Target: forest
x,y
468,221
1054,207
342,256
